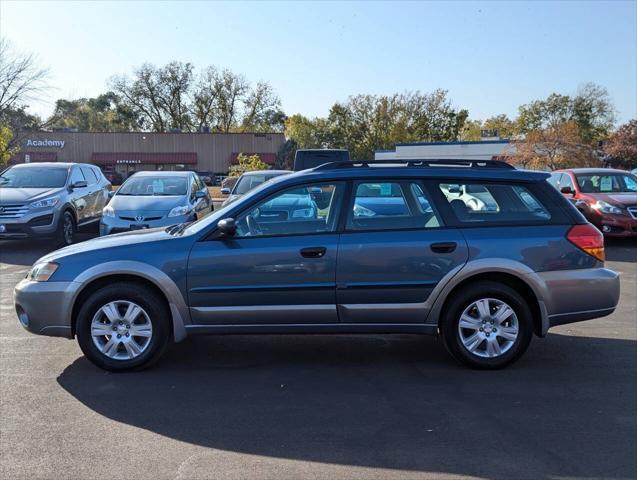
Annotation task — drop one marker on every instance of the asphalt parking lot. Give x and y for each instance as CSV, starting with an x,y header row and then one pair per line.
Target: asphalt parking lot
x,y
278,407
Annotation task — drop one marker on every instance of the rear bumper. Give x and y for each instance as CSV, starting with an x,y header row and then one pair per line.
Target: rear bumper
x,y
577,295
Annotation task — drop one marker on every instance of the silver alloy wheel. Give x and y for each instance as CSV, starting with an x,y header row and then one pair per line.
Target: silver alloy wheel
x,y
488,327
67,229
121,330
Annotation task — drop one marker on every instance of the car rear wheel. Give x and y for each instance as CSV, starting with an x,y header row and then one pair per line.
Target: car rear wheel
x,y
123,327
488,325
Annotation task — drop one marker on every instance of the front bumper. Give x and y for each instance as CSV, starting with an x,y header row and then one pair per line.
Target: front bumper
x,y
618,226
42,223
109,225
44,308
577,295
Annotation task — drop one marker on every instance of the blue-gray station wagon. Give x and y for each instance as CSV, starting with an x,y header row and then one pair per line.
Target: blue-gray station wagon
x,y
477,252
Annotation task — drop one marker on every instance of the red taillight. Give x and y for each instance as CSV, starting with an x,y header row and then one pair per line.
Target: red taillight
x,y
587,238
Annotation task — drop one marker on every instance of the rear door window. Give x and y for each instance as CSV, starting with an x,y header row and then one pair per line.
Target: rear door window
x,y
89,174
391,206
494,203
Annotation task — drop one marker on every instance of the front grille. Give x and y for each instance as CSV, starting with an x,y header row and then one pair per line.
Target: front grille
x,y
13,211
144,219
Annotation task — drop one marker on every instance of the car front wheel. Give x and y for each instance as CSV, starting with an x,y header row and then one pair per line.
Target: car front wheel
x,y
123,326
66,229
488,325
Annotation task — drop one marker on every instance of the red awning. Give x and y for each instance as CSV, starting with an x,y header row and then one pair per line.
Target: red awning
x,y
269,158
113,158
22,157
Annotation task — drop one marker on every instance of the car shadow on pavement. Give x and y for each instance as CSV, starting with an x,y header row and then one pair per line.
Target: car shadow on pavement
x,y
385,401
26,252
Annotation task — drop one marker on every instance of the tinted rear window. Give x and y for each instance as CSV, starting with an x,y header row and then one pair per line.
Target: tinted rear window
x,y
494,203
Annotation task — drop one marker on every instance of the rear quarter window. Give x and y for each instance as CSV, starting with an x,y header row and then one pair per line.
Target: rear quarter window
x,y
479,203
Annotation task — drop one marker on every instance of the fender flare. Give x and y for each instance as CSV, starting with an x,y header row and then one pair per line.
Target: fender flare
x,y
472,268
178,309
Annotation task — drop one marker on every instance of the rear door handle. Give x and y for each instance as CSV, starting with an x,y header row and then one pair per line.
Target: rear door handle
x,y
443,247
313,252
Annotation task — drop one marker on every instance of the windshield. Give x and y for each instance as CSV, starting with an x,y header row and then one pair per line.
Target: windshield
x,y
248,182
34,177
607,183
154,186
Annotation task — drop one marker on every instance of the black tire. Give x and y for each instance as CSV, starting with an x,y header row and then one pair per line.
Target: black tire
x,y
462,300
67,228
155,307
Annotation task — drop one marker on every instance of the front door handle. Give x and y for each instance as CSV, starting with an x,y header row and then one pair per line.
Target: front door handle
x,y
443,247
313,252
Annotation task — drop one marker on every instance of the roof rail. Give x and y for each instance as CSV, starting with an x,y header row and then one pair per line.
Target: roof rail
x,y
418,163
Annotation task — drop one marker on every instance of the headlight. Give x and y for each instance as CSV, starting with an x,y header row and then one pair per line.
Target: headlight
x,y
179,211
108,211
363,211
303,213
41,272
607,207
46,203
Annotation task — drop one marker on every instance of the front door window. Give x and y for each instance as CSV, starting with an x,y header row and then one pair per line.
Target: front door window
x,y
301,210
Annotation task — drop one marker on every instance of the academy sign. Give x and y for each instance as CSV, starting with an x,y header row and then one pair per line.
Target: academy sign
x,y
45,143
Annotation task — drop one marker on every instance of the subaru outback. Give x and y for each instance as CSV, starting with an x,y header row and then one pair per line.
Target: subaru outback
x,y
359,248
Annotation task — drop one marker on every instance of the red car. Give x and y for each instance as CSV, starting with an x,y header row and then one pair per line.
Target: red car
x,y
606,197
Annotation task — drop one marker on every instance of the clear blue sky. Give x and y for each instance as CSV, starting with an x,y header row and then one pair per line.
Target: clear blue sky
x,y
491,56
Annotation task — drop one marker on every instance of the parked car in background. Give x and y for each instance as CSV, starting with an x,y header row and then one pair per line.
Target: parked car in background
x,y
313,157
249,181
156,199
207,178
275,262
50,200
606,197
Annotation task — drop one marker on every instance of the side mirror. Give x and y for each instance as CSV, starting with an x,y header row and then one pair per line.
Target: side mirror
x,y
111,194
567,191
200,194
227,227
225,191
80,184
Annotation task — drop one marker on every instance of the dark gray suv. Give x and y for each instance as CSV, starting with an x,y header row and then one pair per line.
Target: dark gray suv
x,y
343,248
50,199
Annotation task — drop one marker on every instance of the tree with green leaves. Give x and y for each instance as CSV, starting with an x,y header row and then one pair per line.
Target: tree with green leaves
x,y
366,123
7,150
104,113
247,163
590,109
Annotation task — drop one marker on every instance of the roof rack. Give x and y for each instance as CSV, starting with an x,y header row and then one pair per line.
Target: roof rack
x,y
418,163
